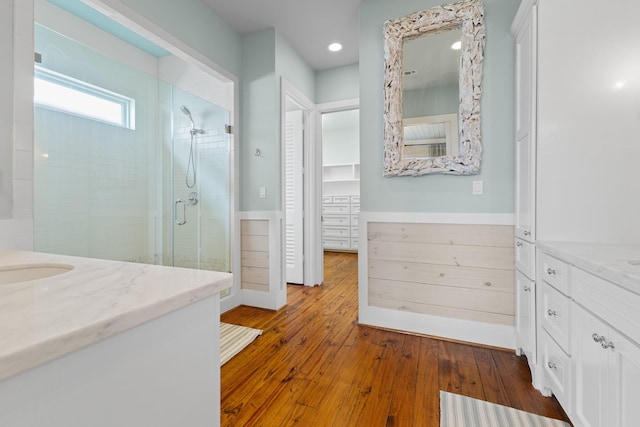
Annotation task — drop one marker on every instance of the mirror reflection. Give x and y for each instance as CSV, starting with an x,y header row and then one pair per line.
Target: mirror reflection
x,y
430,94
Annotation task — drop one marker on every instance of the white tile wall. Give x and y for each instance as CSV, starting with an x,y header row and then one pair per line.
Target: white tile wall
x,y
17,233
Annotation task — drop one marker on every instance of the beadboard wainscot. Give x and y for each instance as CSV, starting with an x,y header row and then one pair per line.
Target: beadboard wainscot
x,y
262,282
448,275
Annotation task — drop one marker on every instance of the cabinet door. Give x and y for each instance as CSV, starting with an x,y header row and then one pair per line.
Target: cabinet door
x,y
623,406
591,369
526,128
525,317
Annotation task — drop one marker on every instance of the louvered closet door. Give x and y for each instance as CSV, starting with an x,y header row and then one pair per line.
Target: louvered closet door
x,y
294,196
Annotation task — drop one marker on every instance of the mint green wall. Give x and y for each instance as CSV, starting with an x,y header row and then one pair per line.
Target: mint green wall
x,y
439,193
195,24
291,66
336,84
266,57
259,112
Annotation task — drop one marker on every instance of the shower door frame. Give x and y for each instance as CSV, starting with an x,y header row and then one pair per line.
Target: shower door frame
x,y
143,26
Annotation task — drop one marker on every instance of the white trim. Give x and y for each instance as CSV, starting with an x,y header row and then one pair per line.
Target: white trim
x,y
277,295
438,218
450,328
328,107
463,330
312,207
521,15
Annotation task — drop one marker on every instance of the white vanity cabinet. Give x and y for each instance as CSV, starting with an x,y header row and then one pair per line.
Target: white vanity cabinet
x,y
589,331
606,361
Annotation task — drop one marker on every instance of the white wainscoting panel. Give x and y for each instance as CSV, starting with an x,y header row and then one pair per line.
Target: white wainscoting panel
x,y
447,275
261,276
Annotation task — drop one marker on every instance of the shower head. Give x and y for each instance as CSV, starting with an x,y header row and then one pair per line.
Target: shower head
x,y
187,113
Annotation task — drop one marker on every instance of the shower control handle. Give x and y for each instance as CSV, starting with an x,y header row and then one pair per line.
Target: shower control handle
x,y
184,212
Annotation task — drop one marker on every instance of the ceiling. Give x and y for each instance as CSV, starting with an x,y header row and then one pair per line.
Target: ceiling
x,y
308,25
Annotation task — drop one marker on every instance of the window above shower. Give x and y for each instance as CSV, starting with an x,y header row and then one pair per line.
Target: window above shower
x,y
63,93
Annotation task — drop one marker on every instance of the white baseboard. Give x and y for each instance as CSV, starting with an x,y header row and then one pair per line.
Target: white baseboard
x,y
456,329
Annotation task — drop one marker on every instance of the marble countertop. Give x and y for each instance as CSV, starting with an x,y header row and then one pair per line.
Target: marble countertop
x,y
46,318
619,264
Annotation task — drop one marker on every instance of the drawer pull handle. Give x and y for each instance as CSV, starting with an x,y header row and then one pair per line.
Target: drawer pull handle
x,y
607,344
527,233
519,244
551,272
598,338
552,312
551,365
527,288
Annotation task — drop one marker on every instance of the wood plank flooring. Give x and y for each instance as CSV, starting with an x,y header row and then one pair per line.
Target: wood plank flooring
x,y
315,366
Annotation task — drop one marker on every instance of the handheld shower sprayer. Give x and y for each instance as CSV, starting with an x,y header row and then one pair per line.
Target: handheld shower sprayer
x,y
191,163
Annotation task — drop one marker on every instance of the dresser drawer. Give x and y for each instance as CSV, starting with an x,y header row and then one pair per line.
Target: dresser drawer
x,y
354,243
355,208
556,368
554,272
341,199
618,306
354,220
355,200
526,258
335,232
554,312
336,243
336,220
354,232
327,199
335,209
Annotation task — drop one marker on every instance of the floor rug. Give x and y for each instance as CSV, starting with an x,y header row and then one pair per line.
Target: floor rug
x,y
462,411
233,338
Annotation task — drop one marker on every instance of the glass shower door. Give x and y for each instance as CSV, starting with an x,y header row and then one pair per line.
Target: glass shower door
x,y
200,201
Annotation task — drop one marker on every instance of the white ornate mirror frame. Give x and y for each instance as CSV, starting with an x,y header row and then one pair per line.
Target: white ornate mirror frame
x,y
469,16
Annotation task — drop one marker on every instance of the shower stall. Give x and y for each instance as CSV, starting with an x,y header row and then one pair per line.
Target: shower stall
x,y
149,183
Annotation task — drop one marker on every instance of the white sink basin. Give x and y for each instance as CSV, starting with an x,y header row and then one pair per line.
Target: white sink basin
x,y
27,272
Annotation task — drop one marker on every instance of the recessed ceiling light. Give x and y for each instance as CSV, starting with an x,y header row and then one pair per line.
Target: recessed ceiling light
x,y
335,47
457,45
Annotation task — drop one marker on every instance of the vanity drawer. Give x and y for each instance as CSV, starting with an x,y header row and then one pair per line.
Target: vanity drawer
x,y
327,199
355,199
335,232
554,272
555,314
355,208
354,232
526,258
335,209
354,243
354,220
618,306
341,199
556,368
336,220
336,242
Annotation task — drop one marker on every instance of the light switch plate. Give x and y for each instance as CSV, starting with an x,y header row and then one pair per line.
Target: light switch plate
x,y
263,192
477,188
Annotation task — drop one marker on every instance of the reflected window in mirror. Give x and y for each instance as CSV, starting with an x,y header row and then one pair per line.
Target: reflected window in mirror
x,y
433,76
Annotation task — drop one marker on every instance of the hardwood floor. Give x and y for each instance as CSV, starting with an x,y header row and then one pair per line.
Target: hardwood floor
x,y
315,366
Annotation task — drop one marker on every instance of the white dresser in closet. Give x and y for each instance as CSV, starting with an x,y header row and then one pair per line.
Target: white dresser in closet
x,y
340,222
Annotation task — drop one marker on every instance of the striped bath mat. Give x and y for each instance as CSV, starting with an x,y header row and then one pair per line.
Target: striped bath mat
x,y
462,411
233,338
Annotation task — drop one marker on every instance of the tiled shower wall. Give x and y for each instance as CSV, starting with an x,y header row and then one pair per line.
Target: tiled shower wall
x,y
16,120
